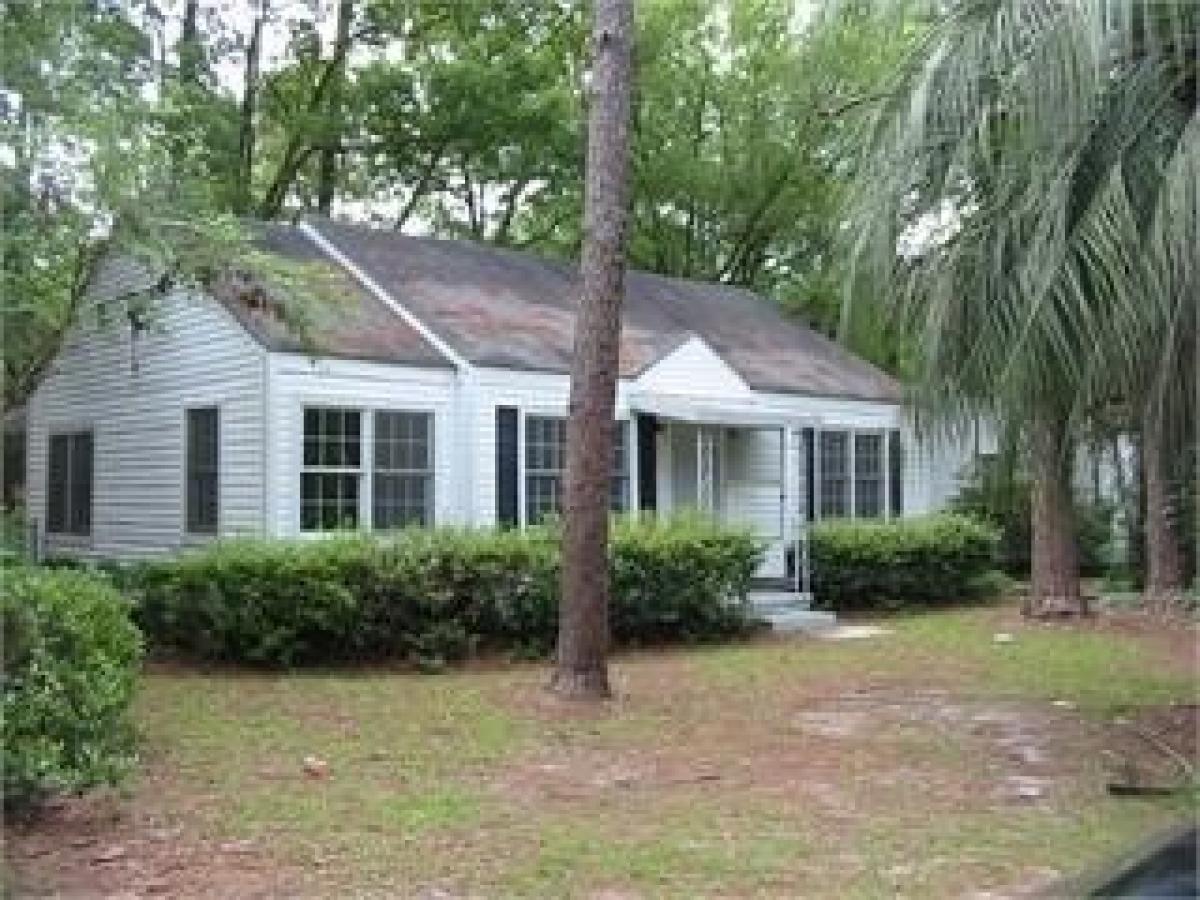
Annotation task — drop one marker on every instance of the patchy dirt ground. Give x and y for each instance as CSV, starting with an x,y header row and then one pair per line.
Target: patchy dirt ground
x,y
930,762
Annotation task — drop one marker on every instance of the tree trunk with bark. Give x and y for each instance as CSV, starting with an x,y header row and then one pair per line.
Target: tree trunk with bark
x,y
328,162
246,129
1163,588
581,669
190,51
1054,587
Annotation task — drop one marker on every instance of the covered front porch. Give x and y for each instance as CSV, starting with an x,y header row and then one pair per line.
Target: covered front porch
x,y
750,463
733,463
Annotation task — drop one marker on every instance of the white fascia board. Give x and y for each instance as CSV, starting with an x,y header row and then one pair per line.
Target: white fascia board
x,y
326,246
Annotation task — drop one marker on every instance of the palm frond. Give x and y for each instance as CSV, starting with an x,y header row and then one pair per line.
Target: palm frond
x,y
1025,218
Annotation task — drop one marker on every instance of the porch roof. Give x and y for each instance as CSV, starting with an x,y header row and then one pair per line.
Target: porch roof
x,y
741,411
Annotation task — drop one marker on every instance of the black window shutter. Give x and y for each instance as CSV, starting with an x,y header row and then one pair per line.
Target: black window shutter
x,y
647,427
57,475
810,473
203,458
896,473
506,466
81,485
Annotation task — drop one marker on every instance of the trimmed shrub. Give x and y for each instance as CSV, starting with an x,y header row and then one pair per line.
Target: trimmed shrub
x,y
256,601
70,660
435,596
879,563
672,581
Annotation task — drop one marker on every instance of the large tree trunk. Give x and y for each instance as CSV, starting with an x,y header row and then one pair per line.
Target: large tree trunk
x,y
1055,579
190,51
582,670
1164,558
246,127
327,166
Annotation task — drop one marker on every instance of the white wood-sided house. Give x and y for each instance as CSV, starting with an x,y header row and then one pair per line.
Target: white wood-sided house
x,y
433,392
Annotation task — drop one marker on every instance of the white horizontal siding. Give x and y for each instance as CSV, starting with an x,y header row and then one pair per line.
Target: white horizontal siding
x,y
195,354
936,469
297,381
132,394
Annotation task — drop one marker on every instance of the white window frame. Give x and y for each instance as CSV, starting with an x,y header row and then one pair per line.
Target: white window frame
x,y
429,472
622,420
881,435
366,470
818,474
847,474
361,471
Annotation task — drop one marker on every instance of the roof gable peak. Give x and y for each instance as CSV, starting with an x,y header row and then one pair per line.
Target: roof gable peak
x,y
693,368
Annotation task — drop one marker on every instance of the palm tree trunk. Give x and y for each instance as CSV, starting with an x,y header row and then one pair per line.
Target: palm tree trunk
x,y
583,633
1055,578
1164,559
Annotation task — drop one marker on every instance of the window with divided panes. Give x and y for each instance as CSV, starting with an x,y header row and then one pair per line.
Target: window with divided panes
x,y
402,469
834,465
868,475
332,469
546,460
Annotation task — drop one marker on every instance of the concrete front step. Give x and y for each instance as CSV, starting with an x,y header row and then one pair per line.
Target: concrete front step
x,y
807,620
779,600
789,612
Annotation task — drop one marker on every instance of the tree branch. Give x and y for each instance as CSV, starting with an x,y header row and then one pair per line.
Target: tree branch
x,y
422,186
301,146
511,198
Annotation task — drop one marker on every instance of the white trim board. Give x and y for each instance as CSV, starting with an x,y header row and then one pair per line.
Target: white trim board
x,y
327,247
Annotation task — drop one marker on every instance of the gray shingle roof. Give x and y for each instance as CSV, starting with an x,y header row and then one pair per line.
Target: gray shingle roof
x,y
504,308
345,321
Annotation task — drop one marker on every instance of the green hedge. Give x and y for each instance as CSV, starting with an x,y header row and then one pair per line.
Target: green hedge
x,y
861,564
70,660
434,596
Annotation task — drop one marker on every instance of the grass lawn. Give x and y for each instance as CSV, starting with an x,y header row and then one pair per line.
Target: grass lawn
x,y
929,762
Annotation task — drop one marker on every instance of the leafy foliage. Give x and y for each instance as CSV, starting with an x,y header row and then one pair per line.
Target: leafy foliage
x,y
465,119
998,493
434,596
106,158
71,657
863,564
